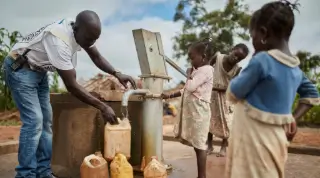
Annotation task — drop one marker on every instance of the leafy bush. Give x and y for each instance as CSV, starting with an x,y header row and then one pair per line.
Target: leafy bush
x,y
312,118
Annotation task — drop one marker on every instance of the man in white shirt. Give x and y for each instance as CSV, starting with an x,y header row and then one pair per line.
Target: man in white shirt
x,y
51,48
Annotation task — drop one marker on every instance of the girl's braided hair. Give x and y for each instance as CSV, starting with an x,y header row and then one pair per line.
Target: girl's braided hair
x,y
277,17
205,47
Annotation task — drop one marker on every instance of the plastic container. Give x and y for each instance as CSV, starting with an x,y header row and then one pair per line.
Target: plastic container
x,y
117,139
94,166
155,169
120,167
143,164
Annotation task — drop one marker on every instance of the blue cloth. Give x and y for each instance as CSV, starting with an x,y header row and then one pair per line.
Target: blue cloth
x,y
270,85
30,92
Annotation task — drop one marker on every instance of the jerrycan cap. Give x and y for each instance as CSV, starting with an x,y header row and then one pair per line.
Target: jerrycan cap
x,y
98,153
154,157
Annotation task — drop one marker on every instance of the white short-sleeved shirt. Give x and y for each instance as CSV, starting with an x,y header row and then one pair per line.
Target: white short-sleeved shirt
x,y
52,53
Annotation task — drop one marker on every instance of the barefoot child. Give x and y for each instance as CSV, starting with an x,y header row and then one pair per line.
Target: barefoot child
x,y
195,114
225,68
264,92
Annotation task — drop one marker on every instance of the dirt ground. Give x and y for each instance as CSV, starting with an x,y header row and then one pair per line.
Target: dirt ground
x,y
10,126
182,158
305,136
9,133
308,137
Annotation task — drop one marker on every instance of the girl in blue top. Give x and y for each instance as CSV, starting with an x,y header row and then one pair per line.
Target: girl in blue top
x,y
264,93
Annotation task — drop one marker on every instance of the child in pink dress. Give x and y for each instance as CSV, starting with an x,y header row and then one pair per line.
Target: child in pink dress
x,y
196,113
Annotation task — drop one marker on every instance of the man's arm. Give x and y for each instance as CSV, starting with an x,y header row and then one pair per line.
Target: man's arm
x,y
69,79
105,66
100,61
59,55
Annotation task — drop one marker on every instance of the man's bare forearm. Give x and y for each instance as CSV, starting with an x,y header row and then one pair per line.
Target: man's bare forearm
x,y
85,96
69,79
100,61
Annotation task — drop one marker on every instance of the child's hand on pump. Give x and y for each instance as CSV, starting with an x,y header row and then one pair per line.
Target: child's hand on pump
x,y
171,95
165,96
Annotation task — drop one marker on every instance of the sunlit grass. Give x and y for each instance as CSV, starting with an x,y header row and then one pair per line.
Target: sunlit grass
x,y
10,123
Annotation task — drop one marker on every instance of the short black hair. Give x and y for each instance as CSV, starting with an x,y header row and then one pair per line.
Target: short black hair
x,y
276,16
243,47
205,47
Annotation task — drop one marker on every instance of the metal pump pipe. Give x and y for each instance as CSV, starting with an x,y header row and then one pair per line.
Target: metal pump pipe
x,y
175,66
127,94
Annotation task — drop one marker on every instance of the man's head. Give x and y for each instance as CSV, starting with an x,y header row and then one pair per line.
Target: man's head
x,y
239,52
87,28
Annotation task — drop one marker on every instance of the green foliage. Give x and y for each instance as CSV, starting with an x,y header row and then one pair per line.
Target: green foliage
x,y
54,87
7,40
309,64
312,117
223,26
9,123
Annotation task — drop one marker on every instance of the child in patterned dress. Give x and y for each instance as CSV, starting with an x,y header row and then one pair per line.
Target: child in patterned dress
x,y
225,68
195,111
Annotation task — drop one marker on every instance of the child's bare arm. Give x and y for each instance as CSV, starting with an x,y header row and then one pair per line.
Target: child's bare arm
x,y
213,60
238,71
301,110
309,97
171,95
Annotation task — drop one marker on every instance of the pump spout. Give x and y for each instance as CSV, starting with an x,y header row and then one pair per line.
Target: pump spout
x,y
127,94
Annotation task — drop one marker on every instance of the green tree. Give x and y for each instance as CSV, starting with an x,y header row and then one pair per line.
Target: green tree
x,y
54,87
7,40
223,26
309,64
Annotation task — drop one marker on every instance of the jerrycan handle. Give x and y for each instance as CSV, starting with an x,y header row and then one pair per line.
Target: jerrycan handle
x,y
121,158
88,160
119,120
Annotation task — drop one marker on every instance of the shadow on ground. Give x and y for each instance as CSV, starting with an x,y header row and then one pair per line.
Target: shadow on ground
x,y
183,161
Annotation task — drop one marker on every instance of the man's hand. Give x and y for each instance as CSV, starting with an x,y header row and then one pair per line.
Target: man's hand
x,y
94,99
105,66
124,79
108,115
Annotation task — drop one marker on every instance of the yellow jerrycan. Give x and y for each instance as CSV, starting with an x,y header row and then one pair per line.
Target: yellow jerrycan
x,y
120,167
117,139
155,169
94,166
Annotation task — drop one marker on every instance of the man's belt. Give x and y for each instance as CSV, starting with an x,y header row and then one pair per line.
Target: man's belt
x,y
20,61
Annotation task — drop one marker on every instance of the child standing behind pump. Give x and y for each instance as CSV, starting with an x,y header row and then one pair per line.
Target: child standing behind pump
x,y
264,92
195,111
225,68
